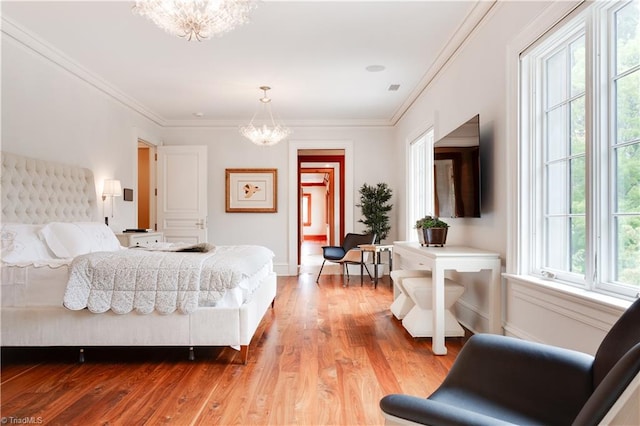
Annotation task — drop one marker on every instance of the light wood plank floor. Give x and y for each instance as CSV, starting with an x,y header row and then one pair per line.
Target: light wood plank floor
x,y
325,355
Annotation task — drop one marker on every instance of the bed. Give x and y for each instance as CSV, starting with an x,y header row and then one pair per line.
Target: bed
x,y
39,195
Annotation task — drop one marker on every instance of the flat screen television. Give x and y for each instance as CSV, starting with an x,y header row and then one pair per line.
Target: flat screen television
x,y
456,168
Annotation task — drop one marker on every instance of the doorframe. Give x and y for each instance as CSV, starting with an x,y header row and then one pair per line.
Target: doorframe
x,y
153,185
142,135
338,188
329,199
293,189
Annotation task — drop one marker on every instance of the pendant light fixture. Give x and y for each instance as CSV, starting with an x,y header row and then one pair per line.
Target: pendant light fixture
x,y
263,129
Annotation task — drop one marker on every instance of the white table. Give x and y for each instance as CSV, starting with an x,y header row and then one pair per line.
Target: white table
x,y
411,255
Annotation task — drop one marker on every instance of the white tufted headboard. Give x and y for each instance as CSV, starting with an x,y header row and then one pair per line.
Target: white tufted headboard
x,y
37,191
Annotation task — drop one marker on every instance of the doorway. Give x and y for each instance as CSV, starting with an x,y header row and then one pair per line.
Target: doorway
x,y
317,187
321,210
147,192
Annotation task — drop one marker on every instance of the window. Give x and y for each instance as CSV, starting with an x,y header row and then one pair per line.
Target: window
x,y
420,178
580,121
306,209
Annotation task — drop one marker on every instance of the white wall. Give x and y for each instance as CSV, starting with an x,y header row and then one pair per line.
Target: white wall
x,y
51,109
51,114
473,82
227,149
477,81
317,211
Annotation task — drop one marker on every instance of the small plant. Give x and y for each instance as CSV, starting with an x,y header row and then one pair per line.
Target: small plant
x,y
430,222
374,202
432,231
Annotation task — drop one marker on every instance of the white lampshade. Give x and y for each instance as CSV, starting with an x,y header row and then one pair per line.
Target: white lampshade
x,y
111,188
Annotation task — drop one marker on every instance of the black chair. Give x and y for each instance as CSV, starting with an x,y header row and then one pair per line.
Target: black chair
x,y
347,253
499,380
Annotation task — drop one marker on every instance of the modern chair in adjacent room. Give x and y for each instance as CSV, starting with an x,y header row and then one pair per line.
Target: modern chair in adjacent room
x,y
347,253
500,380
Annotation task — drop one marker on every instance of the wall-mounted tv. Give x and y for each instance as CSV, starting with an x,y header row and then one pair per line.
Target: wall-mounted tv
x,y
457,172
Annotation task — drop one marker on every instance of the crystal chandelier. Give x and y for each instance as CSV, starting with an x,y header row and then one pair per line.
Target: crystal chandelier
x,y
199,19
263,129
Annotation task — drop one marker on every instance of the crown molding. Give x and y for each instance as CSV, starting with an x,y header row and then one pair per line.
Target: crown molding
x,y
289,123
460,37
39,46
47,51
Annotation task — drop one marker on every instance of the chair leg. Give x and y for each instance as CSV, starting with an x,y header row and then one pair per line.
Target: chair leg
x,y
369,273
318,279
345,269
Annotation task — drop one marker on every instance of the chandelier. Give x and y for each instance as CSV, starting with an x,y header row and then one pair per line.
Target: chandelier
x,y
199,19
263,129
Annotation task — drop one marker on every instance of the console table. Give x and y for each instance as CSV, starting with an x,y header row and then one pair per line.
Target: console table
x,y
411,255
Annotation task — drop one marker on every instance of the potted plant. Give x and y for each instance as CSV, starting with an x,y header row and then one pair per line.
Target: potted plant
x,y
432,231
374,202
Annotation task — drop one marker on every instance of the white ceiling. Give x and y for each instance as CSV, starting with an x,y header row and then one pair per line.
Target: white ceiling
x,y
313,54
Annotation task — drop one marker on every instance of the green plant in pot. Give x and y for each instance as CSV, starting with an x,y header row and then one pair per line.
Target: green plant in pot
x,y
432,231
374,202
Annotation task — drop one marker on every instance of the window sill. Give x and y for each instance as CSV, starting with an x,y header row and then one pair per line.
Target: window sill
x,y
556,288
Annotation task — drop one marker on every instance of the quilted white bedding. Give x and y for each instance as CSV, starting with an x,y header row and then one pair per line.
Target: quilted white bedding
x,y
147,281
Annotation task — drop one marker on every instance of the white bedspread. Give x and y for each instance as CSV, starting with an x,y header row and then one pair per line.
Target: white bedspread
x,y
145,281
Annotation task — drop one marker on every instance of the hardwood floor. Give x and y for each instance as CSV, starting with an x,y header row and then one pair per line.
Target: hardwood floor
x,y
325,355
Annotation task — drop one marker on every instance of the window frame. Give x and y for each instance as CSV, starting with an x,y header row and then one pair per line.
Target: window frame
x,y
597,20
424,142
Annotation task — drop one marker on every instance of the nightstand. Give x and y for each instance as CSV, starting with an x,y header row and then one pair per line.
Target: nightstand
x,y
135,239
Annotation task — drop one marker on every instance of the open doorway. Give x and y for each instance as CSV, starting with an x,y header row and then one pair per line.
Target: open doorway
x,y
317,187
321,186
147,192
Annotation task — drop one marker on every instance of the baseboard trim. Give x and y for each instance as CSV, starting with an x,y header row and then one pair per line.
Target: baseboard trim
x,y
314,238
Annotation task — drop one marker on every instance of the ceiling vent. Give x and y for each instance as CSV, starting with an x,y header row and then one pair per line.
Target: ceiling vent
x,y
394,87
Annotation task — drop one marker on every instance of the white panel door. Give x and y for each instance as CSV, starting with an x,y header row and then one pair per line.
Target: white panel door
x,y
182,193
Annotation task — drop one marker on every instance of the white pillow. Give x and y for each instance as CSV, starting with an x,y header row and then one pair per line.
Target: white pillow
x,y
68,240
22,245
101,237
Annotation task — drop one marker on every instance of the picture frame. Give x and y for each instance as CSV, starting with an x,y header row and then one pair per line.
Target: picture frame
x,y
251,190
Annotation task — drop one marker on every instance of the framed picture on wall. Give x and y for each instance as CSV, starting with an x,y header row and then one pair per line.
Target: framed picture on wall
x,y
251,190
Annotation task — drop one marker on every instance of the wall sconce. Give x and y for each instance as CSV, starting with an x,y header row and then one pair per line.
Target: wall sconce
x,y
111,188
